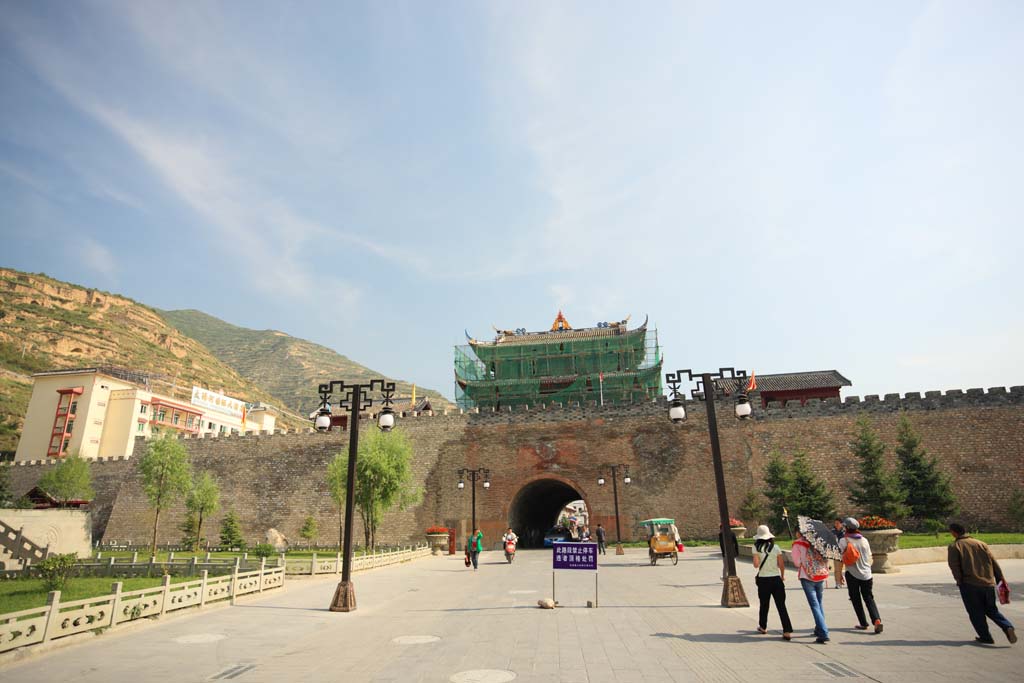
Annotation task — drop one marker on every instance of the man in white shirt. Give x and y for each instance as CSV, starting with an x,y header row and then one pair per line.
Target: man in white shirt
x,y
858,579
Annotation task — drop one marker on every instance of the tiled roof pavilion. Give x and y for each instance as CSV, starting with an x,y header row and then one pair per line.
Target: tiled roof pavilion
x,y
791,381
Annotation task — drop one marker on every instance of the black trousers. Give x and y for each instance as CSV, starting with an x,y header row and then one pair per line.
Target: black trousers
x,y
860,589
980,602
769,587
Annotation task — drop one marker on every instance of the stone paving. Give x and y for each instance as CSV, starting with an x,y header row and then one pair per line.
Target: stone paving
x,y
434,620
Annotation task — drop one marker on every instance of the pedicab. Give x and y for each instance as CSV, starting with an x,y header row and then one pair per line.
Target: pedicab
x,y
661,541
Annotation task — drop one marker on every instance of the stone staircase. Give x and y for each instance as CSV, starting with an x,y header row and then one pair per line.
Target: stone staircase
x,y
17,551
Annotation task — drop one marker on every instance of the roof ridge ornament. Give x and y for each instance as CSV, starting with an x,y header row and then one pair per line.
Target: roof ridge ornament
x,y
560,323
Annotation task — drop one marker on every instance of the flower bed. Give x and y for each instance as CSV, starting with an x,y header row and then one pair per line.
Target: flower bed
x,y
876,523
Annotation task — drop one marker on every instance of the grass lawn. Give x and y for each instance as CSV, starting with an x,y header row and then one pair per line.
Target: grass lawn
x,y
19,594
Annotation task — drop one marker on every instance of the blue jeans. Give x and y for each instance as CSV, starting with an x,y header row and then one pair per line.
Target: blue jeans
x,y
814,591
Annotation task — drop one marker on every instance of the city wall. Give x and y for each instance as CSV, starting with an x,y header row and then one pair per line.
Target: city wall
x,y
276,480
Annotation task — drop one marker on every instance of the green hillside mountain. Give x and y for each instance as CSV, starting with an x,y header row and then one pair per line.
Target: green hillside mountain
x,y
286,366
47,324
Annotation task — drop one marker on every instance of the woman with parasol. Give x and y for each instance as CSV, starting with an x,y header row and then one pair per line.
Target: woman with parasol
x,y
815,544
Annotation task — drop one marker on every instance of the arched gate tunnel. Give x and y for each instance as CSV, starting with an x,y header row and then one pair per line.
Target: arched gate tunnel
x,y
536,506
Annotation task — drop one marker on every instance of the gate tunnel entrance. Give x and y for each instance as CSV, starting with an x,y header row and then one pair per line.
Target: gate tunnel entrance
x,y
536,508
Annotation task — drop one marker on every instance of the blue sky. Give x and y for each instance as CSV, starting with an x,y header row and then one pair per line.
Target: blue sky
x,y
779,186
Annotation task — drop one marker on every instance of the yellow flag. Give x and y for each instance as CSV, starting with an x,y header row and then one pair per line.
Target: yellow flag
x,y
413,405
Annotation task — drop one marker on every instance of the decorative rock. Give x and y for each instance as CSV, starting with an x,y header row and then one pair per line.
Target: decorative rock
x,y
546,603
277,539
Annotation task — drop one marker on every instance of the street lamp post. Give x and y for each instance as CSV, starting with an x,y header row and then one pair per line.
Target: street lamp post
x,y
354,400
482,472
732,590
627,480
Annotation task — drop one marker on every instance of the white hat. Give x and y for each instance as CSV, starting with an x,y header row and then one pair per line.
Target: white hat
x,y
763,533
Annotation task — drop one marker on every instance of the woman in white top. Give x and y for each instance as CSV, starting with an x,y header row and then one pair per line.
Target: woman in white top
x,y
858,579
771,572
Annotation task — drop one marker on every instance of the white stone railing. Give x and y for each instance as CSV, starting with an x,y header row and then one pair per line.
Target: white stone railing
x,y
58,619
332,564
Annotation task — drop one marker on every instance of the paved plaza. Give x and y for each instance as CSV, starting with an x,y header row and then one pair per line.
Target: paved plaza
x,y
434,620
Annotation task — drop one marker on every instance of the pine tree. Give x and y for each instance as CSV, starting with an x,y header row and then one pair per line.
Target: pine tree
x,y
809,495
752,509
877,491
231,532
189,531
777,481
309,529
928,489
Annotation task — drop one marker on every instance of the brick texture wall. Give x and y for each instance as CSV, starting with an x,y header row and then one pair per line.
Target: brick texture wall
x,y
276,480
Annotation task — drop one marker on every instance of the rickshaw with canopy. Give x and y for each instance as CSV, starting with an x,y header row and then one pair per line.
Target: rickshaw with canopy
x,y
661,539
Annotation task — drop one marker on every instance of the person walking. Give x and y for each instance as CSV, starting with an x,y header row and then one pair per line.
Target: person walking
x,y
601,540
770,578
859,582
721,545
976,573
812,572
476,544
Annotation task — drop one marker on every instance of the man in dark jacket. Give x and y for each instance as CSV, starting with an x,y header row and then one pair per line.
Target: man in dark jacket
x,y
976,572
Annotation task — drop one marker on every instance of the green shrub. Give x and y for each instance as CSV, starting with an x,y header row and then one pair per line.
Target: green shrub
x,y
56,569
263,550
933,526
1016,509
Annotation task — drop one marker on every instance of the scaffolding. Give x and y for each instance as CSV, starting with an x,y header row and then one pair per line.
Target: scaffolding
x,y
607,364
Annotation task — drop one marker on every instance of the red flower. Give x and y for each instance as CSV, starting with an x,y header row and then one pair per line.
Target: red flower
x,y
875,522
437,530
733,522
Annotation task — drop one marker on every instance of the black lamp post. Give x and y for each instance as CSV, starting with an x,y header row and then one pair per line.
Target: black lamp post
x,y
627,480
481,472
732,590
354,400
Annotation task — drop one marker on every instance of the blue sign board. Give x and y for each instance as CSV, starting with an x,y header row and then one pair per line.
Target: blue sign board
x,y
569,555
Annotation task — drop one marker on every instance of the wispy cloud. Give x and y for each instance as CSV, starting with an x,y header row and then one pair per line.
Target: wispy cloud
x,y
98,258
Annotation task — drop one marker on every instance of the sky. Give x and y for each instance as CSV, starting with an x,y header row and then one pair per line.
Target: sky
x,y
778,186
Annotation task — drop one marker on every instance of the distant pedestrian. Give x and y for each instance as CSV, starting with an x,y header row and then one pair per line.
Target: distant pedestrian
x,y
476,544
859,582
721,545
976,572
601,540
839,531
812,572
770,577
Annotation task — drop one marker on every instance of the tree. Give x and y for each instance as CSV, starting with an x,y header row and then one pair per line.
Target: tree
x,y
202,501
929,493
809,495
877,491
752,508
309,529
69,480
189,535
383,478
777,485
1016,510
166,476
231,532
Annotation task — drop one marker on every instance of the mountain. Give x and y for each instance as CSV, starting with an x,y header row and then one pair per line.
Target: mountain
x,y
47,324
286,366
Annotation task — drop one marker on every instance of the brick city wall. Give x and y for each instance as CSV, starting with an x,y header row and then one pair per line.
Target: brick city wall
x,y
277,480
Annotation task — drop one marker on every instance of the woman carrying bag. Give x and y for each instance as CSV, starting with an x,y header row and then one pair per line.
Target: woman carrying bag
x,y
771,571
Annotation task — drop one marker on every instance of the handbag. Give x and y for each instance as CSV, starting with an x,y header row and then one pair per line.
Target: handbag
x,y
467,559
1003,592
